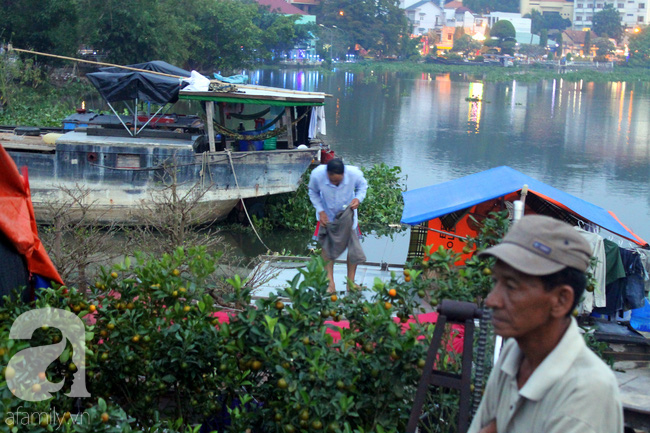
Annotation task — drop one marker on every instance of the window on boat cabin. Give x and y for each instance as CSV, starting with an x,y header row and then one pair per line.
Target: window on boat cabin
x,y
128,161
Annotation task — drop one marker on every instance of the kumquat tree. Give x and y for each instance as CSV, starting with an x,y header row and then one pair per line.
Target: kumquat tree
x,y
164,353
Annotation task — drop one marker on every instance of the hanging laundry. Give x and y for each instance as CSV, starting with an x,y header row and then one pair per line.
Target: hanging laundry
x,y
597,298
634,290
645,261
317,122
615,280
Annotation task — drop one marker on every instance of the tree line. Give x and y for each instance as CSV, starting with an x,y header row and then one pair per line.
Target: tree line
x,y
199,34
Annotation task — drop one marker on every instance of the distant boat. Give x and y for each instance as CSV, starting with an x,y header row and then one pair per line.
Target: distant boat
x,y
123,160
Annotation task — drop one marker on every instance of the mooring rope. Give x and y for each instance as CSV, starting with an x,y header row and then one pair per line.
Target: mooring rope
x,y
232,167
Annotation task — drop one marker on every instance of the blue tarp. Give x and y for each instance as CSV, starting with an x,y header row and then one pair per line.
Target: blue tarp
x,y
434,201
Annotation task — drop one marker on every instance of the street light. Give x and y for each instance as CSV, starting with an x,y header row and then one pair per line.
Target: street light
x,y
331,39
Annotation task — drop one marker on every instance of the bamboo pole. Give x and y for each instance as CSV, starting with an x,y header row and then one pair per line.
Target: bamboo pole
x,y
94,63
73,59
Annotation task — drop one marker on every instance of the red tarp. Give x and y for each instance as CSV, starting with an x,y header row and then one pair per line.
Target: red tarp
x,y
17,221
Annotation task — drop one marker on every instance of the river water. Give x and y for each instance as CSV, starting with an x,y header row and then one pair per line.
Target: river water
x,y
591,140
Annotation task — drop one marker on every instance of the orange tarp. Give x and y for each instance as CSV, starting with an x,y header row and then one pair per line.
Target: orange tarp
x,y
17,221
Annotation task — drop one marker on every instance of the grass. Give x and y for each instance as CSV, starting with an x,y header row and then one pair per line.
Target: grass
x,y
498,73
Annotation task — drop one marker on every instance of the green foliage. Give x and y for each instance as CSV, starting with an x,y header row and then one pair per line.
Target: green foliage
x,y
487,6
600,348
531,50
383,204
555,21
503,29
470,281
60,413
466,44
155,338
44,25
307,382
604,46
498,74
640,48
156,349
378,25
537,21
543,38
226,37
27,98
587,44
607,22
208,34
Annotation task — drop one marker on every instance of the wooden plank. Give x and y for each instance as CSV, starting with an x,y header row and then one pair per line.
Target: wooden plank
x,y
209,112
27,146
288,118
634,386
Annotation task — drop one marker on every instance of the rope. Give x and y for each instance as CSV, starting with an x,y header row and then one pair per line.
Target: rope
x,y
251,116
265,135
232,167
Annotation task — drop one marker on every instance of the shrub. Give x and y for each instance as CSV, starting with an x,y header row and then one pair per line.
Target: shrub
x,y
305,381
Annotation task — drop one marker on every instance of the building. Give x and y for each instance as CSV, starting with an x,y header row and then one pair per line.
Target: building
x,y
562,7
523,26
633,12
305,51
307,6
425,16
573,41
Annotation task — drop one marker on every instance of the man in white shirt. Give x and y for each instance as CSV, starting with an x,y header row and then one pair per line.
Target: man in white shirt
x,y
332,188
546,380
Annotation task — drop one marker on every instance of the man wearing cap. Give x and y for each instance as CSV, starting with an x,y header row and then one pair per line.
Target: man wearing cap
x,y
546,380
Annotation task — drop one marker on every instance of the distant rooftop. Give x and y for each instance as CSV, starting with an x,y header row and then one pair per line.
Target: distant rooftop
x,y
281,7
454,4
417,5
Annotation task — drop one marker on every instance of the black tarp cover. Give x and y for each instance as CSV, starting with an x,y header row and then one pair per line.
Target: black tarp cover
x,y
117,84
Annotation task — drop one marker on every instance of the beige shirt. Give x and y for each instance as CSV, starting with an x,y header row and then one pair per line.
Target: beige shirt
x,y
571,391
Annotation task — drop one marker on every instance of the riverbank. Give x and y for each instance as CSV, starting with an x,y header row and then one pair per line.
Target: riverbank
x,y
524,73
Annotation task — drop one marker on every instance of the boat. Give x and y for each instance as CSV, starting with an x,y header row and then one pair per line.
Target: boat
x,y
447,213
123,161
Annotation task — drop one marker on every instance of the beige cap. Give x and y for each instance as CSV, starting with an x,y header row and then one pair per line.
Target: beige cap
x,y
539,245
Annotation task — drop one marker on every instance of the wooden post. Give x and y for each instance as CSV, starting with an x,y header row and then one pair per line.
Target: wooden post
x,y
222,121
209,111
288,118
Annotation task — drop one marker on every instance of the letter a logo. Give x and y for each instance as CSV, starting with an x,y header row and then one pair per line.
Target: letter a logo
x,y
25,381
